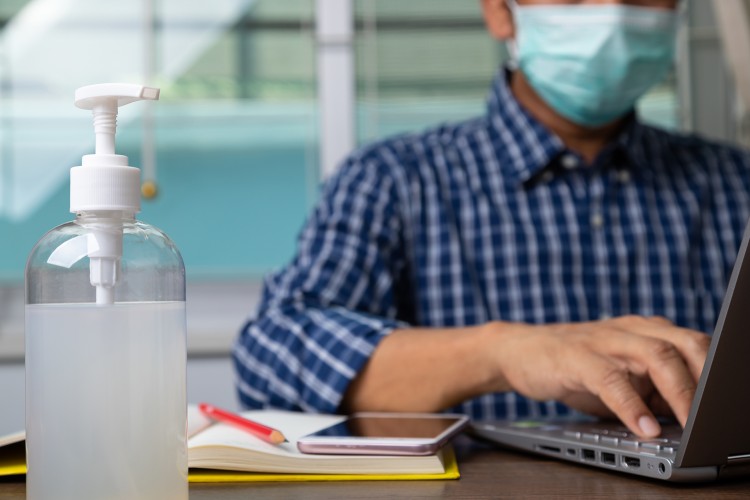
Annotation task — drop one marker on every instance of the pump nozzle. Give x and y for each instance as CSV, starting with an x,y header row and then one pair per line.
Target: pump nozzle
x,y
105,185
103,100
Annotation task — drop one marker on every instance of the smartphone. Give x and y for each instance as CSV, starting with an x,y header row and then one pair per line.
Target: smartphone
x,y
385,434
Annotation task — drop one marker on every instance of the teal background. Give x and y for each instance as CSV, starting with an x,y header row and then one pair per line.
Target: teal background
x,y
232,215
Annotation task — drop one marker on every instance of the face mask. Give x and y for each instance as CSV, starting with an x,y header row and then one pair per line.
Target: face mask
x,y
591,63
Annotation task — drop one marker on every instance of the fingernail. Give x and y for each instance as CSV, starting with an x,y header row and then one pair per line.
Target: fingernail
x,y
649,426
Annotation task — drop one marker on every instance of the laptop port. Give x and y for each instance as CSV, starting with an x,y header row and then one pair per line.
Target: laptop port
x,y
552,449
631,462
609,458
588,454
571,452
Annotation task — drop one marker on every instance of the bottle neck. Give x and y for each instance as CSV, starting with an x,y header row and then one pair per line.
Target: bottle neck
x,y
105,215
104,241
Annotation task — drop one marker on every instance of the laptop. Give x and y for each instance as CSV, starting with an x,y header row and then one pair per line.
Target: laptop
x,y
716,440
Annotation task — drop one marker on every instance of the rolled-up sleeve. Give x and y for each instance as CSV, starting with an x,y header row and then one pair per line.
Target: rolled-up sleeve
x,y
321,317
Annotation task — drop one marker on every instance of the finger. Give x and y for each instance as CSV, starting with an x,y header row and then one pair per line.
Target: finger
x,y
651,396
672,378
612,385
661,361
658,406
692,345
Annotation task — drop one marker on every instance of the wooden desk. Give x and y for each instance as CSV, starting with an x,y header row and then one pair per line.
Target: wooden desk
x,y
485,473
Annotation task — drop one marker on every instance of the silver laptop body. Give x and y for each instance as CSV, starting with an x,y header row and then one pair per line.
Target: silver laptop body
x,y
716,440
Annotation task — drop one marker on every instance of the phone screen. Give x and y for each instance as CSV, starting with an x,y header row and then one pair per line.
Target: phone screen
x,y
389,427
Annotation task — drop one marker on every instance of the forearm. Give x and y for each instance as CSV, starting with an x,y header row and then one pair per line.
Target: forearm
x,y
599,367
427,370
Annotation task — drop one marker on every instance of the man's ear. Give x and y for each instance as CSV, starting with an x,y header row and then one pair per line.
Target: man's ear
x,y
498,18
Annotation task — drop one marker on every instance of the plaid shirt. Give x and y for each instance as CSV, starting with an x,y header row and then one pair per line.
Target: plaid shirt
x,y
493,219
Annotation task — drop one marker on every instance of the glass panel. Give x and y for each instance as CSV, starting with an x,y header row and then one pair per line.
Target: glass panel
x,y
235,129
420,63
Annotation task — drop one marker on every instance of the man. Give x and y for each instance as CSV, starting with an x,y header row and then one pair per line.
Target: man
x,y
555,249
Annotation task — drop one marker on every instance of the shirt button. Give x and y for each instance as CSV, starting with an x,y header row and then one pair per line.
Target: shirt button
x,y
547,176
623,176
604,315
569,161
597,220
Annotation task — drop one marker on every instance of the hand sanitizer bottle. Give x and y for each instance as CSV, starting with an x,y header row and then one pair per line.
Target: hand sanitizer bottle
x,y
105,336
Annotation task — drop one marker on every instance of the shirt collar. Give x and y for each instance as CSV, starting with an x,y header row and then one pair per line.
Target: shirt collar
x,y
632,140
524,147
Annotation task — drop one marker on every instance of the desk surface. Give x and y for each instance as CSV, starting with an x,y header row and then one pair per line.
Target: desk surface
x,y
485,473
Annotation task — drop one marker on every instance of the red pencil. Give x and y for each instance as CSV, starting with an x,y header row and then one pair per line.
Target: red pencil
x,y
267,434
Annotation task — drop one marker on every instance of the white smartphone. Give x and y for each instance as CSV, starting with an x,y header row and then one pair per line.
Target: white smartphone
x,y
385,434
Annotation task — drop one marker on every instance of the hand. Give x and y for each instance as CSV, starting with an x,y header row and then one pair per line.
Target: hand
x,y
629,366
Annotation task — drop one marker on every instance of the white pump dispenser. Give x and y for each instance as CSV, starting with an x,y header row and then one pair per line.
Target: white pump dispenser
x,y
105,182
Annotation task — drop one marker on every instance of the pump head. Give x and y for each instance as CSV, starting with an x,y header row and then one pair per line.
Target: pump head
x,y
105,181
104,184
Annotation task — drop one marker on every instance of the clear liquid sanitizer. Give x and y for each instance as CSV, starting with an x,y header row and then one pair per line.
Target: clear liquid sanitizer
x,y
105,336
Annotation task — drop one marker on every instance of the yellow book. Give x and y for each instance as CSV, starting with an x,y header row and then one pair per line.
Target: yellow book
x,y
12,454
221,453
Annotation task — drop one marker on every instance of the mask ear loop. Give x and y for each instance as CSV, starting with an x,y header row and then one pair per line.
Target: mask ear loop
x,y
511,45
682,31
512,48
682,7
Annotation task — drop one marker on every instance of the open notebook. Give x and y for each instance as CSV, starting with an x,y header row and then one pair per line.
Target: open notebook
x,y
220,453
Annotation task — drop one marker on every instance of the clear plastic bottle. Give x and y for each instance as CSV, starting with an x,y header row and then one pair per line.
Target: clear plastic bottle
x,y
106,350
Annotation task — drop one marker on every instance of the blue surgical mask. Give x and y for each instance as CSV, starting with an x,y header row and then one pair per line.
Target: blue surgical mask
x,y
591,63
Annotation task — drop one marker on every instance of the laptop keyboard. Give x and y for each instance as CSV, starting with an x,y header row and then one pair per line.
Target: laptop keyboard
x,y
603,444
622,438
604,434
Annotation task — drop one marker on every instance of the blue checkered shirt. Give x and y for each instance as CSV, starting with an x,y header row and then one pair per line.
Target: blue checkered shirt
x,y
493,219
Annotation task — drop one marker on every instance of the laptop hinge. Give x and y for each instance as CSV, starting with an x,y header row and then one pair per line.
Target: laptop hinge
x,y
737,465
